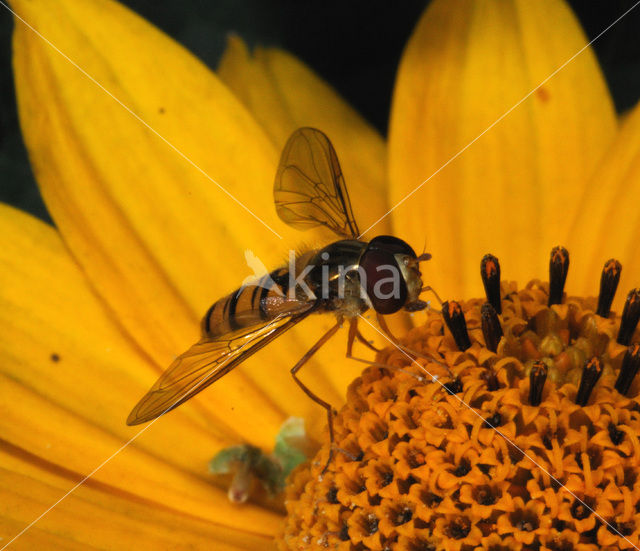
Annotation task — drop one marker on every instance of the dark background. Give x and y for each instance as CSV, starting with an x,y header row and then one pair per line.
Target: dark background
x,y
355,45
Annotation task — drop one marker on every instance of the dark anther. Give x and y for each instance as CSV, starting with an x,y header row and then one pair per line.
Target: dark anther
x,y
558,269
630,366
485,495
616,436
622,528
590,374
453,387
608,285
454,318
537,378
491,379
559,525
490,272
459,528
387,478
462,470
404,516
580,510
405,485
630,316
591,536
494,421
332,495
491,328
371,524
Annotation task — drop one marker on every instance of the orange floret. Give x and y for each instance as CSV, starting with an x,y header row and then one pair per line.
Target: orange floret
x,y
533,446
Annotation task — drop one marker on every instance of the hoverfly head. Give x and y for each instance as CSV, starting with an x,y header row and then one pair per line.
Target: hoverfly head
x,y
393,278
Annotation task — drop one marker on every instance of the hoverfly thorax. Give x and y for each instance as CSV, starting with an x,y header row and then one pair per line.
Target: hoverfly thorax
x,y
392,277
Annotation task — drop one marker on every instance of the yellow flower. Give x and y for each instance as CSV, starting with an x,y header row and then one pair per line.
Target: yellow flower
x,y
93,310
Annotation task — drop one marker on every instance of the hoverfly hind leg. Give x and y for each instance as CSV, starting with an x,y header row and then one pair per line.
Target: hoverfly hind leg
x,y
367,343
385,328
310,394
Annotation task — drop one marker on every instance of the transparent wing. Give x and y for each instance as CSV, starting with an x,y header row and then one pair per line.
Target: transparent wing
x,y
204,363
309,189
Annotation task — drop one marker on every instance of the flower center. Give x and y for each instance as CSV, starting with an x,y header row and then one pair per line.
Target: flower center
x,y
524,435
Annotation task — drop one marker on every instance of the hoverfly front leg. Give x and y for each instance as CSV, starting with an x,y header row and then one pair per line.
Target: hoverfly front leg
x,y
354,333
415,355
315,398
435,294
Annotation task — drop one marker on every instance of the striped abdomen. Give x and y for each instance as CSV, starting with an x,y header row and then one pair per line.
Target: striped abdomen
x,y
252,305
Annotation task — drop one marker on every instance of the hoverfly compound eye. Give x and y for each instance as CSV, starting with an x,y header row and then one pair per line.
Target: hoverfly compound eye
x,y
392,245
384,282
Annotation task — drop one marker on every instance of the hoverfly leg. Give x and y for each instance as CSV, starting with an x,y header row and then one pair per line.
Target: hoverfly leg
x,y
354,333
415,355
315,398
386,366
347,453
385,328
435,294
364,341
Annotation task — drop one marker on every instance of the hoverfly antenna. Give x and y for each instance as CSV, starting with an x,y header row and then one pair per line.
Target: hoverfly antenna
x,y
423,257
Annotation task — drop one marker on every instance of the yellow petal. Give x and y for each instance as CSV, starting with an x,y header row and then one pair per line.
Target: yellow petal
x,y
249,80
98,516
607,222
284,94
68,378
158,240
512,192
110,182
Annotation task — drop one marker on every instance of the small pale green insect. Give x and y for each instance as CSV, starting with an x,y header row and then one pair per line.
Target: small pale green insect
x,y
248,463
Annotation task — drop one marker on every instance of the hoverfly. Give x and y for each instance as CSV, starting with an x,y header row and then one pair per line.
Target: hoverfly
x,y
309,191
